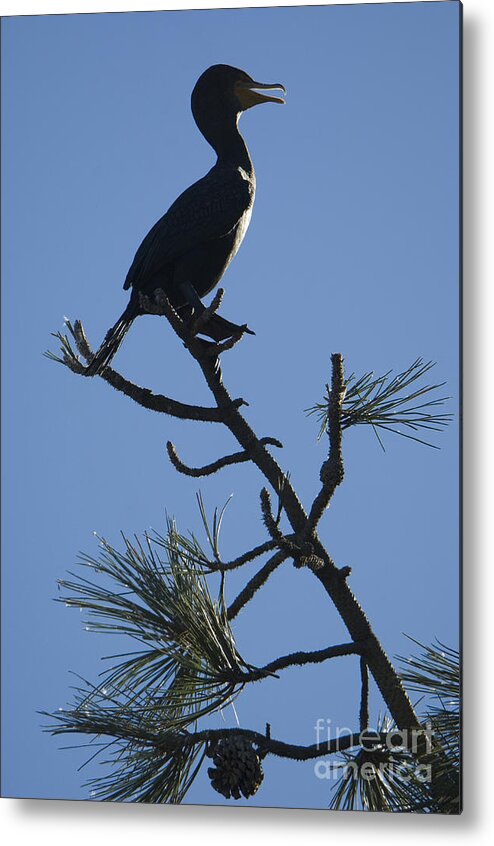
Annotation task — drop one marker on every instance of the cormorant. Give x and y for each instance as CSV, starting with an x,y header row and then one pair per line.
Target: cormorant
x,y
188,250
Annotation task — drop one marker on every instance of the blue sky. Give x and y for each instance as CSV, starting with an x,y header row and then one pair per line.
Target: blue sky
x,y
353,247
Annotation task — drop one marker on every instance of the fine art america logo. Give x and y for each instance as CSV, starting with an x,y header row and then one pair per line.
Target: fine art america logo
x,y
378,752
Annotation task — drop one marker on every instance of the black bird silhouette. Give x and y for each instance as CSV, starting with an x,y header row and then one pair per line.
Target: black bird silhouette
x,y
187,251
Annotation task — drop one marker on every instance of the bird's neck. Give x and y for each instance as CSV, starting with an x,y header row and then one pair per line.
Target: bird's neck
x,y
231,148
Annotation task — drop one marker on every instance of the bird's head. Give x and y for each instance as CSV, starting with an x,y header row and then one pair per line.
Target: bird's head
x,y
223,92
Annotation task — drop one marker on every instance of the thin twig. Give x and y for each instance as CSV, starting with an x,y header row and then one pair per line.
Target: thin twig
x,y
209,469
299,659
255,583
291,549
245,558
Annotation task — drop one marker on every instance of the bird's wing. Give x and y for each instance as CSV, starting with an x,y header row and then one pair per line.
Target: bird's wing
x,y
207,210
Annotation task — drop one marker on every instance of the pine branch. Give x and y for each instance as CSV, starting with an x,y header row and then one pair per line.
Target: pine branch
x,y
378,777
212,534
329,575
332,470
188,649
129,728
196,668
146,763
383,778
436,674
384,402
435,671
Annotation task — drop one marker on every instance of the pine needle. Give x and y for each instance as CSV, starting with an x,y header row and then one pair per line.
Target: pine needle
x,y
386,403
186,666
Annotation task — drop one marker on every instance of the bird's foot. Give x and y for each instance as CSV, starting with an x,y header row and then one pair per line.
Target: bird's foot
x,y
204,320
206,312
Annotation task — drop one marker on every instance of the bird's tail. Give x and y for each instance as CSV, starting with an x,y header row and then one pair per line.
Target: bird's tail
x,y
112,341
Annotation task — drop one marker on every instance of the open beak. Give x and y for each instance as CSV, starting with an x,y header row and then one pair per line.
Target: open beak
x,y
250,93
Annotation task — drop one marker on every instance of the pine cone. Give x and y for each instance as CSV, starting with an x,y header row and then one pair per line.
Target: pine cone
x,y
237,770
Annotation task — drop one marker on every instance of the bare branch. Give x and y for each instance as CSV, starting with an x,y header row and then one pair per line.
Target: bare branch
x,y
161,305
302,553
246,557
332,470
158,402
255,583
209,469
299,659
268,746
282,542
142,396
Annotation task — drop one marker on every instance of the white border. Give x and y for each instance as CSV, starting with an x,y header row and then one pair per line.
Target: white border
x,y
45,7
97,823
